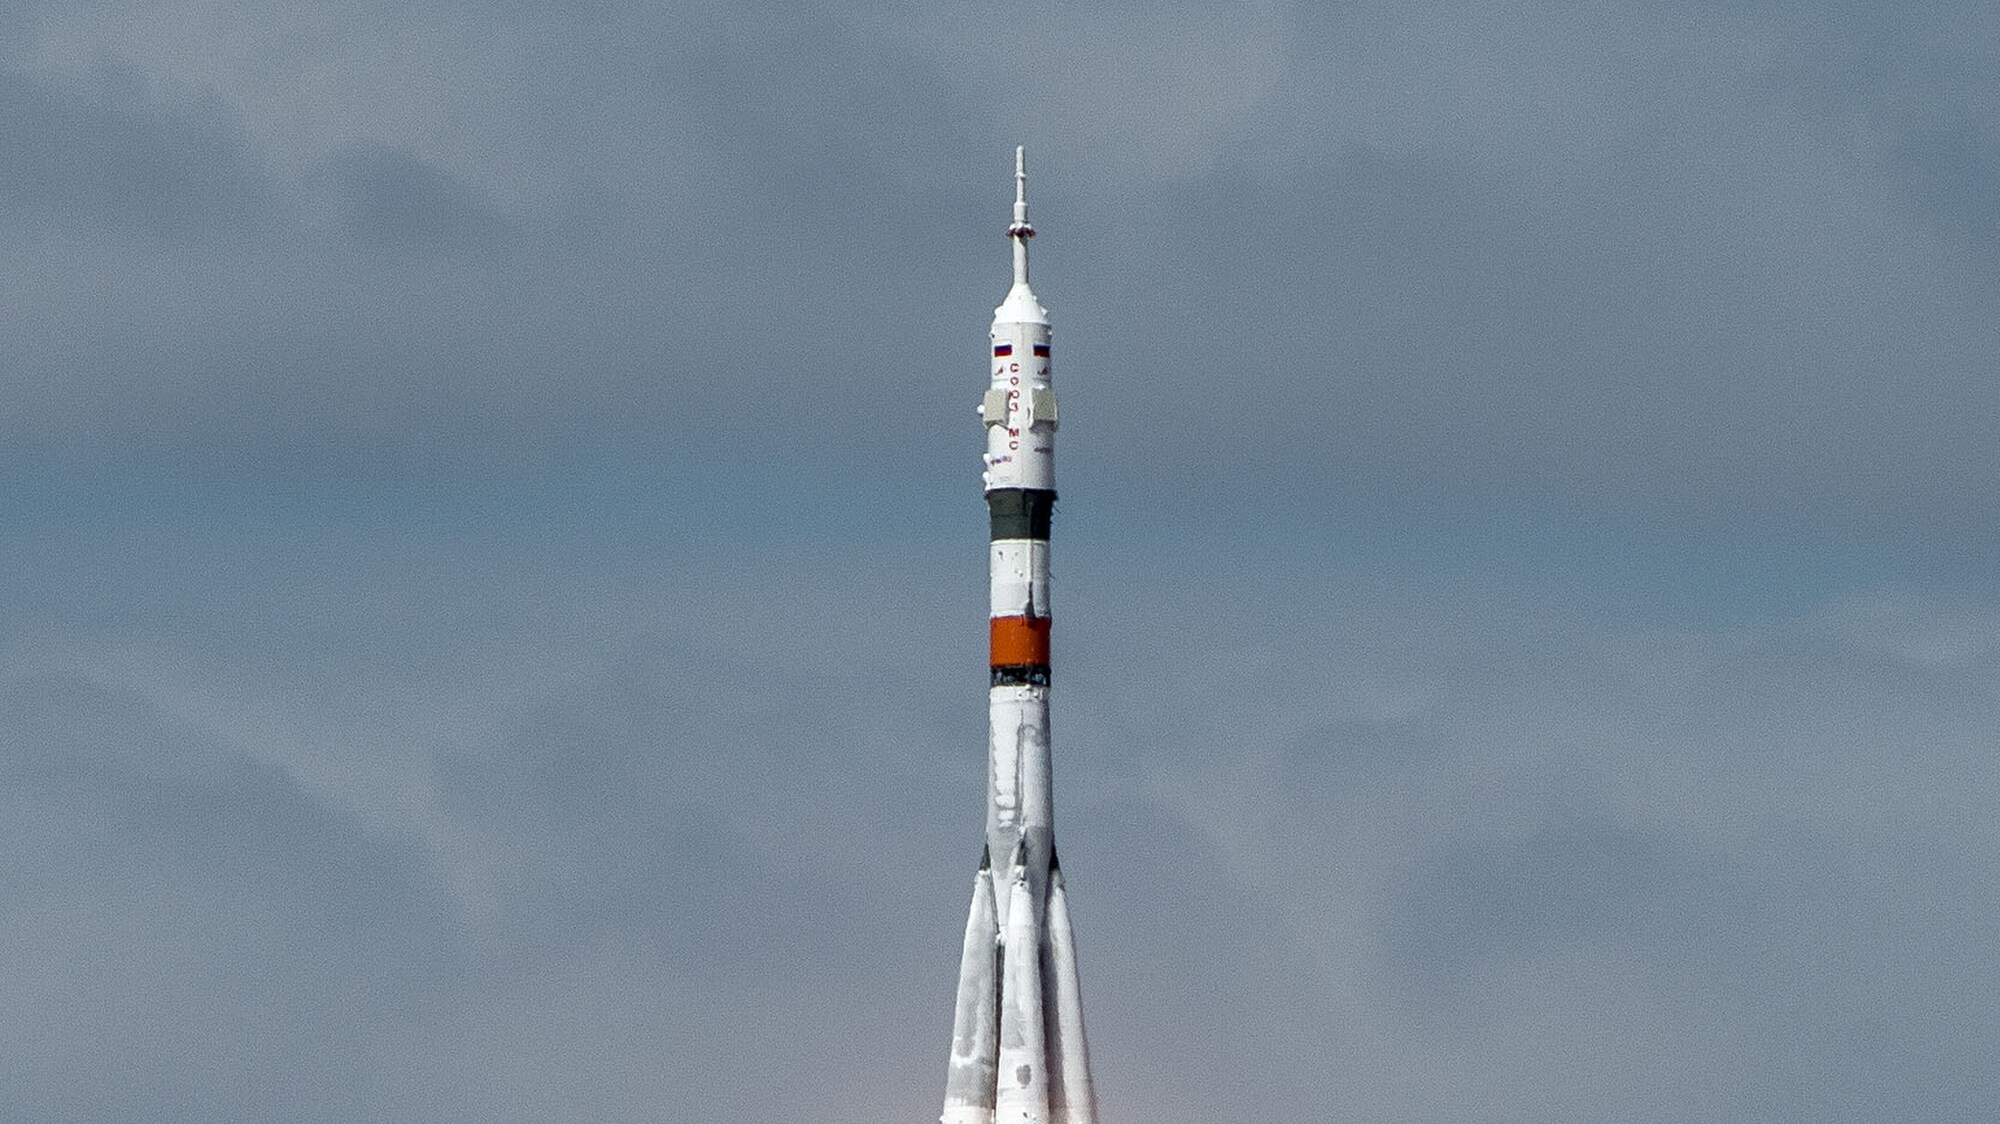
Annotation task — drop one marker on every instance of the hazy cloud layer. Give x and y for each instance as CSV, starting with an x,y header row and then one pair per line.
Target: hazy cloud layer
x,y
386,827
1728,263
490,564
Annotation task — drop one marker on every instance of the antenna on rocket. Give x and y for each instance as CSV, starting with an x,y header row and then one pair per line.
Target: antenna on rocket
x,y
1020,230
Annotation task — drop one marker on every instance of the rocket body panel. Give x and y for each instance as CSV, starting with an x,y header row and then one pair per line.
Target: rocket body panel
x,y
1019,813
1020,445
1022,1092
1019,953
1019,577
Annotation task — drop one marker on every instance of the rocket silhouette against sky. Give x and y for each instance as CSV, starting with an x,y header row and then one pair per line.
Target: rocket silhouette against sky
x,y
1017,1042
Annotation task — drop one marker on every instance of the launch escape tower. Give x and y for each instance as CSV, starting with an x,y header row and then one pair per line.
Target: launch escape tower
x,y
1017,1043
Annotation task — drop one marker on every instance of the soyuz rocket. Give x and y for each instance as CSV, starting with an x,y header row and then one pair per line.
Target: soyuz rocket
x,y
1017,1046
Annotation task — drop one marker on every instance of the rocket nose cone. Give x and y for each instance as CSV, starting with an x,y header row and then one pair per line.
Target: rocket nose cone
x,y
1021,307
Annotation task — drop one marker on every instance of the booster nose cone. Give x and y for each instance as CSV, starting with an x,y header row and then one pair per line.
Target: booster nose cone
x,y
975,1025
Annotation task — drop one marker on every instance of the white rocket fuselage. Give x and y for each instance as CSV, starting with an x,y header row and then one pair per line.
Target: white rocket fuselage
x,y
1020,478
1025,1062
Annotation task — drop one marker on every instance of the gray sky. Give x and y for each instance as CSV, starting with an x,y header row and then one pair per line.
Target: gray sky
x,y
491,559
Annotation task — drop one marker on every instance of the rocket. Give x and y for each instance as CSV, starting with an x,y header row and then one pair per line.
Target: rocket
x,y
1017,1047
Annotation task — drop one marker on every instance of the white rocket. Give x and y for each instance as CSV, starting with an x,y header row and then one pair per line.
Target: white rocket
x,y
1017,1046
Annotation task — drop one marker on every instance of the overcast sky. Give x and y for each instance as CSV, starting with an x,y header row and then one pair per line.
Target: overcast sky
x,y
491,561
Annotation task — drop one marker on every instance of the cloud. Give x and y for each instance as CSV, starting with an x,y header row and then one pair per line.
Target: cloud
x,y
1565,883
455,841
1538,853
1700,272
389,198
472,591
575,823
114,154
187,923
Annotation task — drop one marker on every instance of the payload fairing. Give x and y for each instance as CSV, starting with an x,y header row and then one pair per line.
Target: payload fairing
x,y
1017,1045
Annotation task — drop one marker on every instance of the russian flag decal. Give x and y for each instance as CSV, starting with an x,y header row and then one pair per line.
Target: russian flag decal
x,y
1041,351
1000,349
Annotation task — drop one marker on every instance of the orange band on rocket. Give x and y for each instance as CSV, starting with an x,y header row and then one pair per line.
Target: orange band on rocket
x,y
1020,640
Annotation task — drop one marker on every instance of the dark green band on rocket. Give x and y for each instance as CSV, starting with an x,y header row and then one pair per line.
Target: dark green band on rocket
x,y
1020,513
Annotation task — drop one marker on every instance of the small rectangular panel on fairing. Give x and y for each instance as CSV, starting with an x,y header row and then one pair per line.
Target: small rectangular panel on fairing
x,y
993,408
1042,406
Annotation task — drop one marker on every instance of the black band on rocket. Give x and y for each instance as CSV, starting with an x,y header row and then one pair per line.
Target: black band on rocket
x,y
1020,513
1021,675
